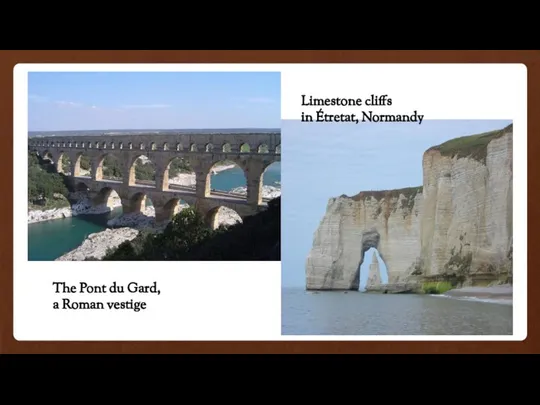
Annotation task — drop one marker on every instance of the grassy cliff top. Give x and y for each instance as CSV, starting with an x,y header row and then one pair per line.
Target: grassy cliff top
x,y
473,146
408,192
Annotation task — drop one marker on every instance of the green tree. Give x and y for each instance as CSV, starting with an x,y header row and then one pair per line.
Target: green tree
x,y
144,171
66,164
85,163
42,183
188,237
111,167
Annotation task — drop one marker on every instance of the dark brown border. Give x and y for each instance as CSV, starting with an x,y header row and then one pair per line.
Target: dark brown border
x,y
8,59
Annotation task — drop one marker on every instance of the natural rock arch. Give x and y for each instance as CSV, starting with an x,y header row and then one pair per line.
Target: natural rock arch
x,y
371,239
373,270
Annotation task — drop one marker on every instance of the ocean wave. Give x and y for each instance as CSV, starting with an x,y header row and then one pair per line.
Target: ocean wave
x,y
502,301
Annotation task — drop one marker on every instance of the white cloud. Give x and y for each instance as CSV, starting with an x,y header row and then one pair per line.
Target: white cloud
x,y
146,106
68,103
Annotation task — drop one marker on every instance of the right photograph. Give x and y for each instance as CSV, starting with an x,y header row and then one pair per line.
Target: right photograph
x,y
397,228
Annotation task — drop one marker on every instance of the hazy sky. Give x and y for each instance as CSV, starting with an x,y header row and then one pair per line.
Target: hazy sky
x,y
160,100
323,160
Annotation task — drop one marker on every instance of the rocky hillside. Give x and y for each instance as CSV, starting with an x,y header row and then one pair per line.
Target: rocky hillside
x,y
457,226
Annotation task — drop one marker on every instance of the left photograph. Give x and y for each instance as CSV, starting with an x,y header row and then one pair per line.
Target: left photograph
x,y
157,166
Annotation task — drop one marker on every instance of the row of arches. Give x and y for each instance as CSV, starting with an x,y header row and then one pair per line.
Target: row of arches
x,y
193,147
178,174
140,203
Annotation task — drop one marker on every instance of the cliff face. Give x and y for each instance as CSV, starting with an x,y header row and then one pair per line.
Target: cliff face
x,y
459,223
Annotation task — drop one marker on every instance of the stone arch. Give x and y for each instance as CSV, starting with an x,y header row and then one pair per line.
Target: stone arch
x,y
82,167
112,145
70,143
245,148
130,145
170,209
120,145
81,186
76,144
165,146
179,174
153,146
141,146
64,164
222,215
89,145
238,186
262,148
270,181
139,202
107,197
179,147
209,147
226,148
97,144
278,149
109,167
47,155
104,145
193,147
142,171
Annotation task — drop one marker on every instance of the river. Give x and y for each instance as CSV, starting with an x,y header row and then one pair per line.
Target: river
x,y
51,239
356,313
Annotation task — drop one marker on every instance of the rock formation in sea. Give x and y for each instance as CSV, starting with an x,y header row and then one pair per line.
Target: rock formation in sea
x,y
457,224
374,276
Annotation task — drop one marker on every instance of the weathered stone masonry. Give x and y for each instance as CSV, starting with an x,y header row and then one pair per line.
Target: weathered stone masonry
x,y
201,151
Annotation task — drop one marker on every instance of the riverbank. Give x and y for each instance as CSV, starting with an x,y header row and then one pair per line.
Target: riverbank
x,y
80,205
95,246
267,191
189,179
116,229
35,216
126,227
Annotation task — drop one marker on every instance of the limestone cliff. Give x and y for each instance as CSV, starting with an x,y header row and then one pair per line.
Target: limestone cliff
x,y
457,225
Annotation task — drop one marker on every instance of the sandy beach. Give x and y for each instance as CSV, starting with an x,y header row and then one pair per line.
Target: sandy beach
x,y
495,293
